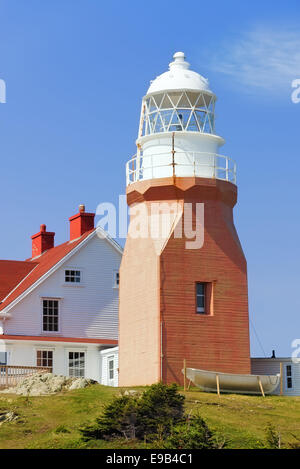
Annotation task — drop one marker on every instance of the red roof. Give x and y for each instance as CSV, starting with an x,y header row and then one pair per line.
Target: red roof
x,y
30,271
11,274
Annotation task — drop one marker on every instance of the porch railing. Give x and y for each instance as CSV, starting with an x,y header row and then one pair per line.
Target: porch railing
x,y
11,375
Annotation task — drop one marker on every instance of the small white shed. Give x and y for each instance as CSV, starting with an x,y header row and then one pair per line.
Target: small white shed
x,y
110,366
290,373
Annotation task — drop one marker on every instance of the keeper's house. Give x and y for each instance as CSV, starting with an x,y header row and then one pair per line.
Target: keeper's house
x,y
60,308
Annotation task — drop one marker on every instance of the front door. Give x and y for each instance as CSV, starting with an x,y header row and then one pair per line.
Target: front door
x,y
110,370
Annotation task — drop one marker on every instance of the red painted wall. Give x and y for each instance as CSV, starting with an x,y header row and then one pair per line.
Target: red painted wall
x,y
218,341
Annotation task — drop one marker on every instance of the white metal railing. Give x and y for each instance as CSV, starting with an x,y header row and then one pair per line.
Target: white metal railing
x,y
180,164
11,375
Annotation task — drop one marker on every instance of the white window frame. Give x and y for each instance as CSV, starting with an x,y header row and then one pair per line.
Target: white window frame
x,y
74,350
291,376
46,298
116,278
44,349
73,284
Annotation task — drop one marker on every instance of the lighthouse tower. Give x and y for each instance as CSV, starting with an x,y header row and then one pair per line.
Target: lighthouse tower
x,y
183,276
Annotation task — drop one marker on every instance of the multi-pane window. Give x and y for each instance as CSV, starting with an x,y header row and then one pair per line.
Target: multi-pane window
x,y
110,368
76,364
72,276
200,297
289,379
50,315
116,279
44,358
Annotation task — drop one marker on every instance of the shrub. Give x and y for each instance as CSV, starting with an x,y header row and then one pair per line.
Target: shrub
x,y
160,406
273,437
193,433
117,420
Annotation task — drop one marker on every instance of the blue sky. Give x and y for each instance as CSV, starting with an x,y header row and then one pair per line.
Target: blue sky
x,y
76,71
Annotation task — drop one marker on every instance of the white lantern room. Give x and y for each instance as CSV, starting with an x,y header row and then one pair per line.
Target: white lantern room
x,y
177,129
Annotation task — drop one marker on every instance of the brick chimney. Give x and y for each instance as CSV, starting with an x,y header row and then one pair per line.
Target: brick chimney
x,y
80,223
42,241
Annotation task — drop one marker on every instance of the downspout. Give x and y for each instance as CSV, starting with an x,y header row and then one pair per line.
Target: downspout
x,y
160,323
161,351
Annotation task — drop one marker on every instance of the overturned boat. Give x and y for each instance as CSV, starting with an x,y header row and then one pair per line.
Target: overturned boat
x,y
212,381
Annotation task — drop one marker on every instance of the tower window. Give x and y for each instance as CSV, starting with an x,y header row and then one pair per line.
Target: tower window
x,y
289,379
200,297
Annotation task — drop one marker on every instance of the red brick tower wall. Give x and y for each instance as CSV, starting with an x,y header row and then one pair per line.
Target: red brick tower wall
x,y
219,340
158,323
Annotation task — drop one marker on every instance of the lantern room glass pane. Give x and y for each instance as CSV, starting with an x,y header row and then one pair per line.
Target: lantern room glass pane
x,y
175,97
184,102
158,127
211,118
158,99
206,127
201,102
166,117
144,129
201,115
152,105
193,126
211,105
166,103
176,123
193,97
184,116
152,119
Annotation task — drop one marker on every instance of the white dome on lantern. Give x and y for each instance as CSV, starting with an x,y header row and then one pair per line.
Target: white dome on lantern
x,y
179,76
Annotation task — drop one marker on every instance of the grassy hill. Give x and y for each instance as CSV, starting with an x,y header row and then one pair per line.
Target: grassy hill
x,y
53,421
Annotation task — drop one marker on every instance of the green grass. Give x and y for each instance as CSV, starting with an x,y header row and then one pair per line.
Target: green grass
x,y
242,420
53,421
